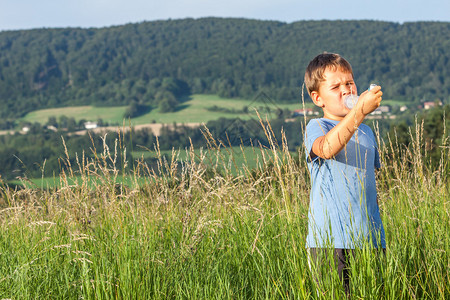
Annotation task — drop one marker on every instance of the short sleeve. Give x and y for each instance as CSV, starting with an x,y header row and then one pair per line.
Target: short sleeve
x,y
315,129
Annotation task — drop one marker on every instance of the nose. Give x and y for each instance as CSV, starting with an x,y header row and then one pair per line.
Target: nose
x,y
346,89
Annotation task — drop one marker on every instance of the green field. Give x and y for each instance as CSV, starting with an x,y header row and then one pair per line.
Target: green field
x,y
194,110
191,232
92,182
89,113
235,159
393,102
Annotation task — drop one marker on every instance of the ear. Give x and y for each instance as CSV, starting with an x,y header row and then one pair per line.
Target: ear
x,y
316,98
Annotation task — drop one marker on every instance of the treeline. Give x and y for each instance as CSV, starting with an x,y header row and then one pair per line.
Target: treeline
x,y
156,64
40,152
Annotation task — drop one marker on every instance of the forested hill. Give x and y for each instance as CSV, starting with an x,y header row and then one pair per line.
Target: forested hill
x,y
159,62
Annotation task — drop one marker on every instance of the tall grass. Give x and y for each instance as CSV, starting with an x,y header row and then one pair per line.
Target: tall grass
x,y
196,230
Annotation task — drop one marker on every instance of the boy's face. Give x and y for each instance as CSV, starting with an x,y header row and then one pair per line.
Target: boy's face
x,y
336,85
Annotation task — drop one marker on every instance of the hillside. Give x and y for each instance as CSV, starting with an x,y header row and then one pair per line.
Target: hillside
x,y
159,63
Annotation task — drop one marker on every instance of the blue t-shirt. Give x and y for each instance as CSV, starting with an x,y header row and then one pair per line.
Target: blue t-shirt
x,y
343,209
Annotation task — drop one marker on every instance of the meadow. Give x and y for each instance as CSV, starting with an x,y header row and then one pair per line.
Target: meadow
x,y
194,229
236,158
193,110
108,114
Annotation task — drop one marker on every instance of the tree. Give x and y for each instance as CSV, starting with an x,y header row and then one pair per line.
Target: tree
x,y
168,105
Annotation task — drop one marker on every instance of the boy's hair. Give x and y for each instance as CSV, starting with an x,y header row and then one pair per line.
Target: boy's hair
x,y
317,66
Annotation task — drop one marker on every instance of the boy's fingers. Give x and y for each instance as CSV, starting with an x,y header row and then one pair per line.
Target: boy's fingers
x,y
376,88
376,91
365,92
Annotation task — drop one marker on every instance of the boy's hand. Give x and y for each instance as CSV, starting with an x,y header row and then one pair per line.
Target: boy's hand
x,y
369,100
329,145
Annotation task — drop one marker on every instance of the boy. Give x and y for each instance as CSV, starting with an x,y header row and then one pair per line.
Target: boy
x,y
342,156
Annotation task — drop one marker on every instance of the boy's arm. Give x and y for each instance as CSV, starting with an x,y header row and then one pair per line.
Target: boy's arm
x,y
334,141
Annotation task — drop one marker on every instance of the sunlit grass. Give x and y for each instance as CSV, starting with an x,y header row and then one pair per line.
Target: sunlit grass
x,y
194,229
238,158
57,182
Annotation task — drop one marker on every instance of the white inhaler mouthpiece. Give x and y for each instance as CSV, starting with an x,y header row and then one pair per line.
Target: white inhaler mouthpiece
x,y
350,100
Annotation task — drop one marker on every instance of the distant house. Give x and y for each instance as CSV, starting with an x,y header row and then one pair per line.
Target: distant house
x,y
403,108
383,109
304,112
25,129
90,125
52,128
430,104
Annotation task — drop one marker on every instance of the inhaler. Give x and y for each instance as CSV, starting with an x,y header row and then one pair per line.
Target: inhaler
x,y
350,100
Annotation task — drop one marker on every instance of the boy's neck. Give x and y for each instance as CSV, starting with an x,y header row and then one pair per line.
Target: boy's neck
x,y
332,117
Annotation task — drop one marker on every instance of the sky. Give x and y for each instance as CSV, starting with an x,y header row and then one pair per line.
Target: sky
x,y
28,14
